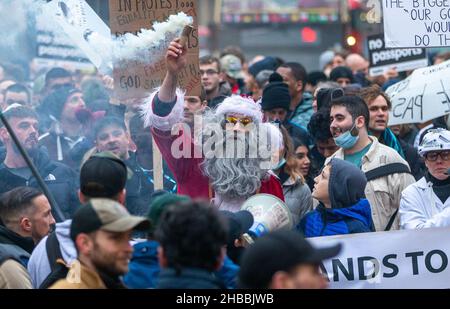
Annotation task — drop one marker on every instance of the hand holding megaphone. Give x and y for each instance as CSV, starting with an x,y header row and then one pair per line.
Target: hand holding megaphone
x,y
269,213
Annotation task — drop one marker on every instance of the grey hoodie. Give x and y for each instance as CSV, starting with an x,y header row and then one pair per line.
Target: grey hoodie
x,y
39,266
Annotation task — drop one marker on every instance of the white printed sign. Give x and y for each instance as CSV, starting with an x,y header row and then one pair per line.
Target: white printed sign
x,y
407,259
55,48
416,23
423,96
403,59
80,22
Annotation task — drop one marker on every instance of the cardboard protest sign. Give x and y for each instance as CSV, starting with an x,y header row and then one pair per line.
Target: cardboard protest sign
x,y
403,59
423,96
135,79
407,259
79,22
416,23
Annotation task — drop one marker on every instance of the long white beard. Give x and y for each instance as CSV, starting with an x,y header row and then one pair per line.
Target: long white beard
x,y
234,178
235,164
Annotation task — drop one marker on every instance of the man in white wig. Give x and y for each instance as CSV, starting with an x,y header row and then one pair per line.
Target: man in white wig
x,y
228,157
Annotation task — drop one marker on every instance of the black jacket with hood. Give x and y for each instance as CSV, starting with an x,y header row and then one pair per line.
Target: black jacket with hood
x,y
61,180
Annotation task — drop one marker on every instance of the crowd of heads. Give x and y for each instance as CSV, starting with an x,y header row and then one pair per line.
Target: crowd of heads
x,y
298,118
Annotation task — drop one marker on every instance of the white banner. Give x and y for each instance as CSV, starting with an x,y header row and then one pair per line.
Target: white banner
x,y
407,259
423,96
80,22
416,23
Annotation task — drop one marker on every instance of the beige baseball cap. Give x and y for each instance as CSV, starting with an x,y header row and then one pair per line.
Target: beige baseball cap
x,y
107,215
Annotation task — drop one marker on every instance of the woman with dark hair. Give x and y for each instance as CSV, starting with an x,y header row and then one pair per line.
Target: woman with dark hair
x,y
297,194
303,160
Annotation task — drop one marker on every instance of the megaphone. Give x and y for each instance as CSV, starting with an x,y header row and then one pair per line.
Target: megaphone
x,y
269,214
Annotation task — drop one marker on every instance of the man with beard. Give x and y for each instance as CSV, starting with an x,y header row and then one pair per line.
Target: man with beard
x,y
111,135
103,175
349,117
227,179
62,107
25,217
14,171
101,231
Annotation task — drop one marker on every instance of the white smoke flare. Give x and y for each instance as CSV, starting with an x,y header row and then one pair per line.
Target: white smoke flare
x,y
134,47
147,46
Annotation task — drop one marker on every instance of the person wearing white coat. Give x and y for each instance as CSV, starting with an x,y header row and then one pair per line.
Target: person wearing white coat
x,y
426,203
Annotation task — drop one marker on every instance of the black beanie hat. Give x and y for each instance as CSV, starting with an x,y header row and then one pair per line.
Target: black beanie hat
x,y
53,104
275,94
342,72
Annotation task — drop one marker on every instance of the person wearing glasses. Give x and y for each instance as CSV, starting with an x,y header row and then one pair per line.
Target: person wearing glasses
x,y
215,162
426,203
216,88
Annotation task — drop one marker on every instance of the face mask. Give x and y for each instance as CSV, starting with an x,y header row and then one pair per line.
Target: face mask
x,y
347,140
279,165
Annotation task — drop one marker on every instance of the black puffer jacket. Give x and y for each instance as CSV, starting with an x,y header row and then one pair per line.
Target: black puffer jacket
x,y
14,246
61,180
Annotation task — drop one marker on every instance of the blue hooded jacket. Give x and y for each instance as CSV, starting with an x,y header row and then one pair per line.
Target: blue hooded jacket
x,y
349,213
144,270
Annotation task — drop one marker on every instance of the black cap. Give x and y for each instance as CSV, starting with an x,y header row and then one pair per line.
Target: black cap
x,y
103,175
238,223
275,94
281,250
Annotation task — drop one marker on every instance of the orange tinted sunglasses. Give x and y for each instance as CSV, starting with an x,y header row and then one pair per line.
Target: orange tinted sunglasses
x,y
244,121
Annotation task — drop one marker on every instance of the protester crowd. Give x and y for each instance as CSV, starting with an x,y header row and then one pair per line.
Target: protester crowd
x,y
333,163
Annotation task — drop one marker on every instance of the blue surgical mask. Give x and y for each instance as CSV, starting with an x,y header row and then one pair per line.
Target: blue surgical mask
x,y
347,140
